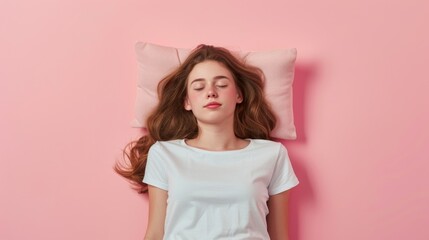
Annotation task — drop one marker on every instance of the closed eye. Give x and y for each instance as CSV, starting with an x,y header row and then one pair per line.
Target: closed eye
x,y
198,88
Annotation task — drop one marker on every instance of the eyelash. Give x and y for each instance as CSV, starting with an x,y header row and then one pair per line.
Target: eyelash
x,y
219,86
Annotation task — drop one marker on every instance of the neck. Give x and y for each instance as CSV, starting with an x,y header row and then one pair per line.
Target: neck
x,y
217,138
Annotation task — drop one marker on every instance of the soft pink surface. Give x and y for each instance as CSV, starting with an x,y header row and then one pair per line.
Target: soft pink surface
x,y
67,82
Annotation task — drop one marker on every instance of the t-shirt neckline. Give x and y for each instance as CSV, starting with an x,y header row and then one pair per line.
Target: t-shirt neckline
x,y
248,146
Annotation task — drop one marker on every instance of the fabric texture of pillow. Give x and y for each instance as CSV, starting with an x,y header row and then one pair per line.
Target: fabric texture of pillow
x,y
155,62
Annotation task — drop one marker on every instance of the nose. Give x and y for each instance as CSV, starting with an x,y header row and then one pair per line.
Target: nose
x,y
211,93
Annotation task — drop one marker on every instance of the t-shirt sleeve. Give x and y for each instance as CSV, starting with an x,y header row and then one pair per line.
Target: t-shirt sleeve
x,y
155,173
284,177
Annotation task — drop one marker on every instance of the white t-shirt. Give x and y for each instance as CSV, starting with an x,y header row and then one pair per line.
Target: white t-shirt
x,y
218,194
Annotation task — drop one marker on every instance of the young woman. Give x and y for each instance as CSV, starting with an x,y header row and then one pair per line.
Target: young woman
x,y
207,161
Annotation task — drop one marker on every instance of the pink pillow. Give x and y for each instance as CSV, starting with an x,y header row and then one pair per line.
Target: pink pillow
x,y
157,61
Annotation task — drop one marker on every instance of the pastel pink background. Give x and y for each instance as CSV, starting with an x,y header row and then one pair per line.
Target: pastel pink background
x,y
68,76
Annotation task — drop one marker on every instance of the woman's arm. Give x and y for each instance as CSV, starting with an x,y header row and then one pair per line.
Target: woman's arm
x,y
277,219
157,209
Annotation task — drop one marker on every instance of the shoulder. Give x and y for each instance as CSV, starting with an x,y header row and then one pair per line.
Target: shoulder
x,y
168,143
268,145
268,149
166,146
163,152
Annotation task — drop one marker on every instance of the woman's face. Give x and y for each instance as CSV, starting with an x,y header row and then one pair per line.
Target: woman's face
x,y
211,93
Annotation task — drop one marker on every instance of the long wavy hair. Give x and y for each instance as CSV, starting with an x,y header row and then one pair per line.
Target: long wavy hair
x,y
253,117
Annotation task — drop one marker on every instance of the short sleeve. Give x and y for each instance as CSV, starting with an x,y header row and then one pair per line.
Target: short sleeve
x,y
284,177
155,173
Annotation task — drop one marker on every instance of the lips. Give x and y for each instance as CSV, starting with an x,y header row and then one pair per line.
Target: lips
x,y
212,105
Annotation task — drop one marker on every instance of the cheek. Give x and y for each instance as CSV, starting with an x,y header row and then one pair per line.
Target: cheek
x,y
192,97
232,94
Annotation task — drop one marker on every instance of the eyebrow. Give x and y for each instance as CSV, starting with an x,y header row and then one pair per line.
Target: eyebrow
x,y
215,78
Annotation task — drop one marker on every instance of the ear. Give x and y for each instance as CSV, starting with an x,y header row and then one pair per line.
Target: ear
x,y
187,105
239,98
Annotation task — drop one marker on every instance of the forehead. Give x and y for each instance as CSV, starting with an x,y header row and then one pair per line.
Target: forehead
x,y
209,69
